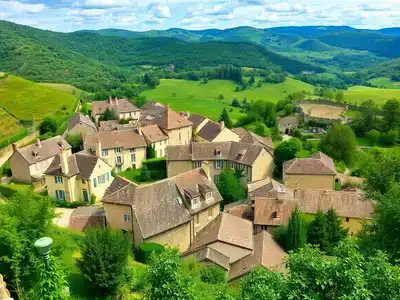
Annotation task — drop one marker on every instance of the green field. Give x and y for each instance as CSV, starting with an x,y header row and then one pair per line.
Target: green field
x,y
9,125
358,94
62,86
184,95
385,82
30,101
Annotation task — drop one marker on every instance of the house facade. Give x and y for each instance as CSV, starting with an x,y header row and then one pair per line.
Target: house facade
x,y
78,177
79,124
156,138
29,163
120,149
315,172
122,108
286,124
169,212
254,161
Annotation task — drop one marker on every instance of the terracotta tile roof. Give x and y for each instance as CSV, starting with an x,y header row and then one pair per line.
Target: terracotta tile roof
x,y
117,105
126,139
242,153
84,217
210,131
267,253
318,164
43,150
272,211
226,228
161,206
170,119
79,118
346,203
247,136
153,133
117,184
196,119
268,188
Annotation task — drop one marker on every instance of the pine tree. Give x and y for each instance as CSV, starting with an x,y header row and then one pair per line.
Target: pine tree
x,y
318,231
225,118
251,80
150,152
334,229
145,174
297,233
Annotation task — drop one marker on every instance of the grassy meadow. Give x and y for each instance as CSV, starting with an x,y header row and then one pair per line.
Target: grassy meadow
x,y
358,94
9,125
385,82
27,100
184,95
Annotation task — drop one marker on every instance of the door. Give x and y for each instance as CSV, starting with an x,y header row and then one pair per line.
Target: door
x,y
85,196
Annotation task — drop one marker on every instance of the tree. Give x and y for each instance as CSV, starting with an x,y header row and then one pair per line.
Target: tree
x,y
287,150
225,118
221,97
48,125
145,174
328,93
84,108
289,109
229,187
373,137
340,96
166,277
317,233
270,114
140,101
334,229
392,113
251,80
52,283
275,133
390,138
339,143
150,152
75,140
108,115
259,84
297,232
104,259
235,103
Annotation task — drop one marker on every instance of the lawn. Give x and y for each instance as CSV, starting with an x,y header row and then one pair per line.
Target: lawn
x,y
358,94
351,113
27,100
9,125
385,82
184,95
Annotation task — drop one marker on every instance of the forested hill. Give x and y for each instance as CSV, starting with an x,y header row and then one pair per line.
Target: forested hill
x,y
84,58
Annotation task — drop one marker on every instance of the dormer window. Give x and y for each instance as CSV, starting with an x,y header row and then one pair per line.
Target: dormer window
x,y
218,151
241,154
35,153
276,215
60,144
195,202
209,196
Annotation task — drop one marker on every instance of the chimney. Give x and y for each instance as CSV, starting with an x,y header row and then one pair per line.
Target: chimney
x,y
110,100
139,130
64,161
205,165
38,143
116,101
222,125
98,148
14,147
278,214
281,193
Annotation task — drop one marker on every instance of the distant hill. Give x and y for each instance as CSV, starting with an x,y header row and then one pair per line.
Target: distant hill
x,y
313,45
385,69
390,31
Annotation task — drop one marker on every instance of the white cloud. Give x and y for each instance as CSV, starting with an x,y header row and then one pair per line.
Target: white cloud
x,y
104,3
265,16
214,10
154,20
198,22
159,11
19,7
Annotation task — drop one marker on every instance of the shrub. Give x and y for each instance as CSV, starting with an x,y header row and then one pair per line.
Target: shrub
x,y
145,250
145,174
212,274
373,137
123,121
93,199
7,191
389,138
340,166
66,204
280,235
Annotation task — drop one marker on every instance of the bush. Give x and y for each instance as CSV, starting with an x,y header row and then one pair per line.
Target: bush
x,y
145,174
157,168
340,166
212,274
66,204
93,199
123,121
144,251
389,138
373,137
7,191
280,235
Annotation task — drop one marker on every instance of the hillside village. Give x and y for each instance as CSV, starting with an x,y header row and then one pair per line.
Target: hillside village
x,y
184,208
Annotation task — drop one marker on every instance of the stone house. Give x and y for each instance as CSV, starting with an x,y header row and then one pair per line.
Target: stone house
x,y
78,177
206,130
79,124
122,108
155,137
315,172
120,149
255,162
286,124
169,212
29,163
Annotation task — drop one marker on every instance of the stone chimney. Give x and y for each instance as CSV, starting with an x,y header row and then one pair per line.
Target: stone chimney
x,y
205,165
110,99
222,125
116,101
38,143
98,148
64,161
281,193
139,130
14,147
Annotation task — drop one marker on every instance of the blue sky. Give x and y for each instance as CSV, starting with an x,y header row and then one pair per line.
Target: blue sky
x,y
71,15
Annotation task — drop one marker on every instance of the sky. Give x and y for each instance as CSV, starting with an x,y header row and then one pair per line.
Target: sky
x,y
72,15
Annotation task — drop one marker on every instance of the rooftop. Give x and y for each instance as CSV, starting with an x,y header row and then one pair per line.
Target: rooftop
x,y
170,119
153,133
318,164
247,136
126,139
117,105
79,118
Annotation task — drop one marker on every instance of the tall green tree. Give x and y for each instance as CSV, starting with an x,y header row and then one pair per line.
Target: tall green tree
x,y
270,114
150,152
334,229
287,150
145,174
166,277
225,118
392,113
75,140
297,232
339,143
104,260
251,80
48,125
340,96
229,187
317,233
108,115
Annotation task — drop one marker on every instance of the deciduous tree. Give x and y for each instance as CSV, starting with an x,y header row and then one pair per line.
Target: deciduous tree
x,y
229,187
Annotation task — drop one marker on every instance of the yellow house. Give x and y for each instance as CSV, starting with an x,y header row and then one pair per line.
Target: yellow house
x,y
122,108
29,163
206,130
155,137
316,172
255,162
120,149
169,212
78,177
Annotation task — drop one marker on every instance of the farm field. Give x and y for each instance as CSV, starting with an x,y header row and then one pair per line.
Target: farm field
x,y
385,82
62,86
200,98
323,111
358,94
9,125
27,100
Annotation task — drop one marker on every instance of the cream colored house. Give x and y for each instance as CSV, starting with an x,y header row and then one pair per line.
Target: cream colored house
x,y
78,177
122,108
79,124
206,130
286,124
120,149
29,163
316,172
155,137
255,162
169,212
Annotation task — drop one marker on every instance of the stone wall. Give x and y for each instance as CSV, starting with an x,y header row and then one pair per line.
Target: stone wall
x,y
4,293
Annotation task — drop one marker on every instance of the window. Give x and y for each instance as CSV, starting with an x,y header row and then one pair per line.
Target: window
x,y
104,152
127,218
107,177
95,182
132,150
83,181
60,195
133,157
195,201
134,166
216,178
197,219
119,169
210,212
347,219
118,159
219,164
101,179
208,195
117,150
197,164
58,179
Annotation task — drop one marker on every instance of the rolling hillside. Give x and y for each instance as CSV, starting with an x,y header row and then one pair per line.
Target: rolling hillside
x,y
313,45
